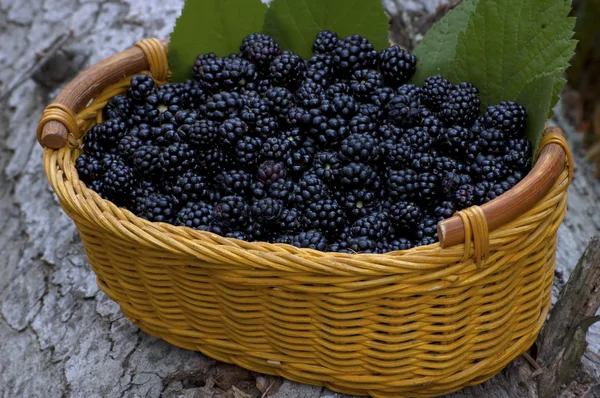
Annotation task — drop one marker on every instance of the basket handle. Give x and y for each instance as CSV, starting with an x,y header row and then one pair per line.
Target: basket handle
x,y
58,121
553,153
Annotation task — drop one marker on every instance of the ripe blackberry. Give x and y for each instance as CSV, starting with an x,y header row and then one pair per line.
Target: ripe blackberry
x,y
267,210
353,53
464,196
357,245
489,168
406,216
270,172
423,162
167,135
231,213
497,190
397,65
297,118
285,190
145,112
144,132
177,158
287,69
327,167
445,209
395,155
328,131
146,161
291,220
118,179
207,69
418,139
275,148
382,96
519,158
427,229
255,108
443,165
364,82
320,70
480,191
189,187
428,187
360,148
231,131
507,116
294,136
211,161
256,230
309,95
286,239
301,159
259,49
128,145
450,183
311,239
157,207
454,141
326,215
260,84
371,112
247,151
435,91
397,244
241,235
402,184
118,106
140,88
358,202
461,106
233,182
279,101
310,189
223,105
357,175
184,117
258,190
196,95
110,132
266,127
414,92
236,73
201,133
325,42
492,141
403,111
360,124
88,168
340,105
386,131
375,226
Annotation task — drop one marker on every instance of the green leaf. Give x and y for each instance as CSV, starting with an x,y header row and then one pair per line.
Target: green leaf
x,y
437,50
508,43
294,24
211,26
536,97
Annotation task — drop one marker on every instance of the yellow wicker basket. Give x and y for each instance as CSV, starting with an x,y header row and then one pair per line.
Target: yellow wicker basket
x,y
419,323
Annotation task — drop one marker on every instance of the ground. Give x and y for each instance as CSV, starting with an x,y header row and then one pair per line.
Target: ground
x,y
60,335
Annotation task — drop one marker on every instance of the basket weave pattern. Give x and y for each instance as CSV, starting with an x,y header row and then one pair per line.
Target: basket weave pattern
x,y
420,323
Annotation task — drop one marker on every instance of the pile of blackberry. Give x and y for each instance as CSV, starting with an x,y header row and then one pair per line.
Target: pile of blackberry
x,y
334,153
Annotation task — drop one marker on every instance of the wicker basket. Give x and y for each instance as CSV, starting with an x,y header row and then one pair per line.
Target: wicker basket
x,y
420,323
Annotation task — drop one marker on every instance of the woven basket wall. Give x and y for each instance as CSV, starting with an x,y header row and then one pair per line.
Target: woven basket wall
x,y
419,323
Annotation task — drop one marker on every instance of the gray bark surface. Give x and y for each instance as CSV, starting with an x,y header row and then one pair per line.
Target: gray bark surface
x,y
60,335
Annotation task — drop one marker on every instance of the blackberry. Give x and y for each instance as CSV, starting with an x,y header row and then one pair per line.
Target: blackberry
x,y
247,151
210,161
397,65
424,162
231,213
356,175
287,69
398,244
189,187
357,202
325,42
285,190
428,187
236,73
311,239
255,108
146,112
223,105
287,239
291,220
144,132
337,89
360,244
327,167
507,116
301,159
454,141
427,229
411,91
231,131
462,106
176,159
128,145
362,124
480,191
233,182
451,182
259,49
157,207
118,106
140,88
406,215
402,184
110,132
418,139
267,210
444,164
492,142
489,168
364,82
322,62
340,105
326,215
329,132
88,168
294,136
443,210
207,71
260,84
118,179
426,241
256,230
310,189
360,148
266,127
270,172
435,91
382,96
258,190
388,131
297,118
279,101
353,53
371,112
518,154
395,155
146,161
241,235
464,196
174,95
184,117
275,148
309,95
375,226
403,111
169,135
497,190
201,133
